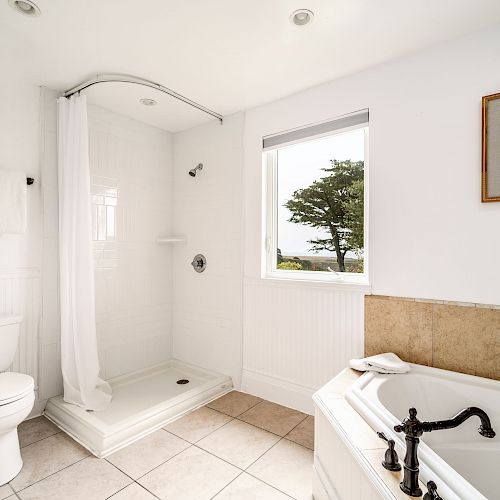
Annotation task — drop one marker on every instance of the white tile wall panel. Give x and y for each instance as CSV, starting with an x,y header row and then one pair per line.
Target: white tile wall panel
x,y
50,383
50,371
207,307
131,185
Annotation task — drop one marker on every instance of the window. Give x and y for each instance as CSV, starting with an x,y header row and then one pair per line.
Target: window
x,y
316,201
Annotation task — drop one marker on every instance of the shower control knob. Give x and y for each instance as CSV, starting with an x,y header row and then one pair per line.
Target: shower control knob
x,y
199,263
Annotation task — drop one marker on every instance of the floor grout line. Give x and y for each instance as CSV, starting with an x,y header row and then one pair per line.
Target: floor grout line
x,y
235,416
118,468
121,489
267,430
185,449
163,463
224,487
211,432
41,439
149,491
220,458
245,470
260,479
299,444
260,456
265,482
200,448
50,475
125,487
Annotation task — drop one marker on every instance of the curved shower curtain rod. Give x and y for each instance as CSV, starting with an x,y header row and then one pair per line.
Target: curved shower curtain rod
x,y
121,78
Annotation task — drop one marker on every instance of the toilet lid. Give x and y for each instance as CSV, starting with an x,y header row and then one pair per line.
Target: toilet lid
x,y
14,386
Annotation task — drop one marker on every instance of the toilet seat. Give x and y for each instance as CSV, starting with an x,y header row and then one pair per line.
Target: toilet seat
x,y
15,386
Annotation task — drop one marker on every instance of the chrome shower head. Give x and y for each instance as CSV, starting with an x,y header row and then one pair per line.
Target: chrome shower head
x,y
193,171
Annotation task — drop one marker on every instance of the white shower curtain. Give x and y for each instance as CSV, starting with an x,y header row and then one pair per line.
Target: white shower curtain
x,y
80,363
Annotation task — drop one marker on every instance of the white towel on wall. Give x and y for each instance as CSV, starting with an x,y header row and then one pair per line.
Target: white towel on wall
x,y
381,363
13,202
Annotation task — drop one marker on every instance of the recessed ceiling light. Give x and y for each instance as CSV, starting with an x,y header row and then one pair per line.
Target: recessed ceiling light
x,y
26,7
147,102
301,17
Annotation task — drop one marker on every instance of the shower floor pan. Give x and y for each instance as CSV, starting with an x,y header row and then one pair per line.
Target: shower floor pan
x,y
143,402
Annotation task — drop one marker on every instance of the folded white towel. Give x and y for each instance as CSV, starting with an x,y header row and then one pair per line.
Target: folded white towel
x,y
12,202
381,363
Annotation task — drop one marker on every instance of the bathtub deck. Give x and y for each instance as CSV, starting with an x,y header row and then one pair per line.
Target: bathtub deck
x,y
462,462
348,455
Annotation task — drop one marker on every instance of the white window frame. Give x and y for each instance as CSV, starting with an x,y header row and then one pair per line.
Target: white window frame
x,y
270,219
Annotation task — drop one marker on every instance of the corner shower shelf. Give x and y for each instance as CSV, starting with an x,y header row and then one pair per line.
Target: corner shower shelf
x,y
168,240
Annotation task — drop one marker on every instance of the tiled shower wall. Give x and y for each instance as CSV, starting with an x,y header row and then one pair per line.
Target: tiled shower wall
x,y
207,212
131,168
461,337
131,187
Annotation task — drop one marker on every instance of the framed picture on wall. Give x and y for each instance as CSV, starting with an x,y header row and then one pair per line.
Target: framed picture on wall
x,y
491,148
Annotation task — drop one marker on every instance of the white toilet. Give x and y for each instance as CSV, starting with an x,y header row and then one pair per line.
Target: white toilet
x,y
17,397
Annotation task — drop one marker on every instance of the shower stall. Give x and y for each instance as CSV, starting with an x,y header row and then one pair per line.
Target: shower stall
x,y
168,337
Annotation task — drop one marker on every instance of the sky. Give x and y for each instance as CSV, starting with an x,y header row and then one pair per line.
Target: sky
x,y
299,165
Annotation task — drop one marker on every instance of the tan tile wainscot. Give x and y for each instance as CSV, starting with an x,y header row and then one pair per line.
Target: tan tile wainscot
x,y
460,337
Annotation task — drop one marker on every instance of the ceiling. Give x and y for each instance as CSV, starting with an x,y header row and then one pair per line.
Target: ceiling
x,y
228,55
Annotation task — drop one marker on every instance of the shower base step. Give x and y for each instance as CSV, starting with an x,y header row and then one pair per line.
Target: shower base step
x,y
143,402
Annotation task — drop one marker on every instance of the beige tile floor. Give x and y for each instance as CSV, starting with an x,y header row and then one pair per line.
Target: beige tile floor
x,y
238,447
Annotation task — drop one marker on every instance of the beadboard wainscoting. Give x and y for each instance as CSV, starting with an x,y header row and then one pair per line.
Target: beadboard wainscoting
x,y
20,295
297,336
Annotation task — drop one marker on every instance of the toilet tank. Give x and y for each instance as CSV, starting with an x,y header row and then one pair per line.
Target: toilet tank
x,y
9,338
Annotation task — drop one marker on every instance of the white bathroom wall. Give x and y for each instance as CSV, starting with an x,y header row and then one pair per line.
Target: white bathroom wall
x,y
429,234
131,184
20,255
207,211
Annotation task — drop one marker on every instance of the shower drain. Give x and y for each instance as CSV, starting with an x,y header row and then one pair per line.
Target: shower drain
x,y
183,381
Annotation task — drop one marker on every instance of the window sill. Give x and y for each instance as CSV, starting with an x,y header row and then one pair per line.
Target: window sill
x,y
350,282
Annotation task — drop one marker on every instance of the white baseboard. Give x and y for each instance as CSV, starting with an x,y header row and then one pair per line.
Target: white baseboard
x,y
278,391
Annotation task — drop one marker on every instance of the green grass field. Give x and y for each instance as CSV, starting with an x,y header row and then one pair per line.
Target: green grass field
x,y
321,263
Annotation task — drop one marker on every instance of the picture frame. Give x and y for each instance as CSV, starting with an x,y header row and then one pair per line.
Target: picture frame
x,y
490,191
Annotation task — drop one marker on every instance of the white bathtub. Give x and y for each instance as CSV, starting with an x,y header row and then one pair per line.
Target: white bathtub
x,y
463,464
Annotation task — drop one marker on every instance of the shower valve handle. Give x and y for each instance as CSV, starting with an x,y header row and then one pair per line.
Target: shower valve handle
x,y
199,263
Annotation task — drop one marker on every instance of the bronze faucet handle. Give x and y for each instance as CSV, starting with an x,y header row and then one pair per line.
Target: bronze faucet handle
x,y
391,459
411,425
432,493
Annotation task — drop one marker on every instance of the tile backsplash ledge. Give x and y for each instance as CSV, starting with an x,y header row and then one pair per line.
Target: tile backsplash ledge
x,y
462,337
